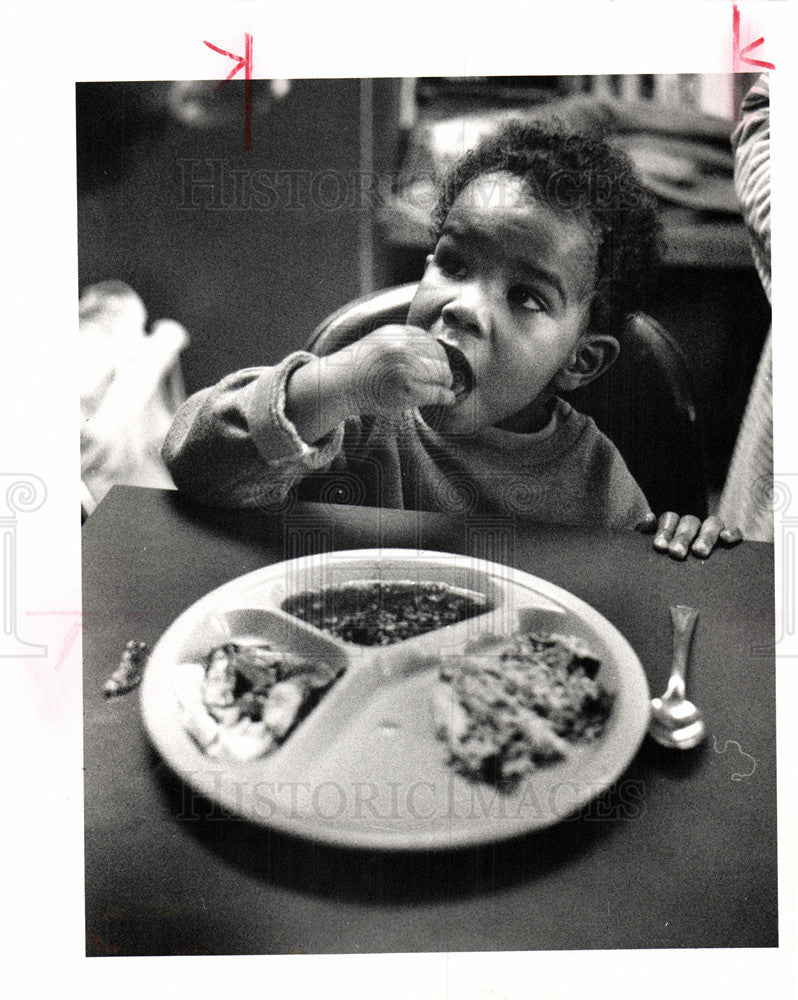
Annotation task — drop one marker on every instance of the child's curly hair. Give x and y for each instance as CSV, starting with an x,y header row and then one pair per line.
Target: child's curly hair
x,y
579,175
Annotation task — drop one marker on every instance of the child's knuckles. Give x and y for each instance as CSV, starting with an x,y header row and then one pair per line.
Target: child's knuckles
x,y
707,536
378,386
668,522
690,525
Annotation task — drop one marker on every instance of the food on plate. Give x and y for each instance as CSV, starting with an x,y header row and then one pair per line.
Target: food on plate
x,y
526,702
245,697
377,612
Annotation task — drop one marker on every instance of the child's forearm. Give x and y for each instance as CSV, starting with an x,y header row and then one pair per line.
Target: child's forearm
x,y
318,397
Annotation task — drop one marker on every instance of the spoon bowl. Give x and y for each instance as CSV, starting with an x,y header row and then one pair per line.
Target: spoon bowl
x,y
675,721
679,725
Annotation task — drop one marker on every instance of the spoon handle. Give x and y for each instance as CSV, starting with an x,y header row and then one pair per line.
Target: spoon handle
x,y
684,620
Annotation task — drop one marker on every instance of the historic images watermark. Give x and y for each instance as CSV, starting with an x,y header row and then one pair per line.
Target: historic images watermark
x,y
388,805
785,533
214,184
780,495
24,493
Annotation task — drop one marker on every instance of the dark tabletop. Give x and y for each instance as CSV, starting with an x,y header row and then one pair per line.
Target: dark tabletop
x,y
681,853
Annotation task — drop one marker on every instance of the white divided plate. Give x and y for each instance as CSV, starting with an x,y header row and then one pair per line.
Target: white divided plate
x,y
365,768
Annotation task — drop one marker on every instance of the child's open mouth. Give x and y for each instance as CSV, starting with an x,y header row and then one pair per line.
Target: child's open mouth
x,y
462,372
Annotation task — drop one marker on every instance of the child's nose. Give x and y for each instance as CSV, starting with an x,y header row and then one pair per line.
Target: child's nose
x,y
469,311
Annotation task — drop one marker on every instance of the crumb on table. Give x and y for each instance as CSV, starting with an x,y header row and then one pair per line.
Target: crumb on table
x,y
128,674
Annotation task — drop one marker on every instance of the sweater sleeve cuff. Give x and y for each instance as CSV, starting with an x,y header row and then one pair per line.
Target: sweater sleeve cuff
x,y
273,434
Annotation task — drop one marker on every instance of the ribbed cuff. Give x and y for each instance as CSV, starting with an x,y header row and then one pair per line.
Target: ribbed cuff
x,y
273,434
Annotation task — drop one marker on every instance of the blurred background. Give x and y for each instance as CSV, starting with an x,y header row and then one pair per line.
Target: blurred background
x,y
248,251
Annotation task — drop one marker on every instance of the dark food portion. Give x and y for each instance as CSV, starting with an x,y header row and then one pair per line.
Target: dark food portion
x,y
379,613
529,703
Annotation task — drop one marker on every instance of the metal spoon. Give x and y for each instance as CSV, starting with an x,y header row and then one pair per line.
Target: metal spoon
x,y
675,721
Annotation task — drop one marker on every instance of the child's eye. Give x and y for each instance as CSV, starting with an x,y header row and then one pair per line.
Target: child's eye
x,y
525,297
450,263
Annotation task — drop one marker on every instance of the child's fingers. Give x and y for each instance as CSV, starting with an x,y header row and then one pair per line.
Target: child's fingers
x,y
665,529
679,535
441,374
730,536
648,524
432,380
686,530
675,534
435,395
707,537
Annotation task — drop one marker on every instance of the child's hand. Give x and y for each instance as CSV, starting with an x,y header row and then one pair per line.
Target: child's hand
x,y
678,535
397,368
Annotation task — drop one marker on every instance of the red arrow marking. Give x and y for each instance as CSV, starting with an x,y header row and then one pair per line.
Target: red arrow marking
x,y
241,62
740,55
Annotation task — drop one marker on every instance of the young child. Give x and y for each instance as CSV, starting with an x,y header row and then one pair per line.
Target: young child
x,y
542,240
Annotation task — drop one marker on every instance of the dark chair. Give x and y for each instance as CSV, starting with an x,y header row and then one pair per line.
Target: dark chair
x,y
644,404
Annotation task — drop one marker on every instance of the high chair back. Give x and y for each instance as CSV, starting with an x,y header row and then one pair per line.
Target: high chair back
x,y
645,403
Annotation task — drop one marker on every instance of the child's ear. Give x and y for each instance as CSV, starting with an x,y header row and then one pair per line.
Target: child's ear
x,y
592,356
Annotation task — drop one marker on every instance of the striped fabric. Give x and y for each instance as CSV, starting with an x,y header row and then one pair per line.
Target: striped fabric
x,y
751,145
747,494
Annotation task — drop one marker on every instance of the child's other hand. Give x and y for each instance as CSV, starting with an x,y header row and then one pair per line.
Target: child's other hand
x,y
679,535
397,368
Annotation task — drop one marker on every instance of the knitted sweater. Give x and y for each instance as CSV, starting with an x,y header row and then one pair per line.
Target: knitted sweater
x,y
232,445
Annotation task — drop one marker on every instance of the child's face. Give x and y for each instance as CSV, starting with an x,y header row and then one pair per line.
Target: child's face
x,y
510,284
